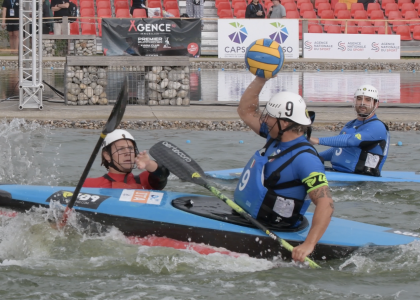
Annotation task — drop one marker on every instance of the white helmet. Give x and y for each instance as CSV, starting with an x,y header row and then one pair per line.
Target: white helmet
x,y
116,135
290,106
368,91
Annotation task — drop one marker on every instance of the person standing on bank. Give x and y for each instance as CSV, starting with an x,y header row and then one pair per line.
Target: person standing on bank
x,y
363,143
254,10
60,9
139,4
277,11
11,10
120,156
277,180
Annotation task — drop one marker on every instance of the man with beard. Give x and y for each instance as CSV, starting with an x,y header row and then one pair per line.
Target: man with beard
x,y
120,156
362,145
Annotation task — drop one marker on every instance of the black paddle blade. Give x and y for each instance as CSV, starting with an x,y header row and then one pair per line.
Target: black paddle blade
x,y
178,162
118,111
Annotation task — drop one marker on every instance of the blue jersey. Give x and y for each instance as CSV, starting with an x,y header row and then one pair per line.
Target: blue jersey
x,y
279,179
361,147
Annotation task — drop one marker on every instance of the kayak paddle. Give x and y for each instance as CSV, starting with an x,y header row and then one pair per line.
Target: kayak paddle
x,y
114,120
183,166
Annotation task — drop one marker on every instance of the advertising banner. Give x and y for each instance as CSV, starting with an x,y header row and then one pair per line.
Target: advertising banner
x,y
233,83
235,35
151,37
351,46
335,86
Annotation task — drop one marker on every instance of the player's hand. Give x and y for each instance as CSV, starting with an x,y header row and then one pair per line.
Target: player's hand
x,y
3,25
300,252
142,160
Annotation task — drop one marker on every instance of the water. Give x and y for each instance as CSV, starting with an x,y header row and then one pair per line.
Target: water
x,y
229,85
38,262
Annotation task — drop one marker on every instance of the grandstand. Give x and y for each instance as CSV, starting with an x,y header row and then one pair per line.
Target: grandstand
x,y
325,16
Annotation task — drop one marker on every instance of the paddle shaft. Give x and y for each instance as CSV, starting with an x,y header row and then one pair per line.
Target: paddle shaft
x,y
245,215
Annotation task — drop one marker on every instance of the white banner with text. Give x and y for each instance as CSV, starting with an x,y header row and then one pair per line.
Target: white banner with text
x,y
235,35
351,46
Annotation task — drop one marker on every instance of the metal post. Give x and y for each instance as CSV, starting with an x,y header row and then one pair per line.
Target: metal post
x,y
30,54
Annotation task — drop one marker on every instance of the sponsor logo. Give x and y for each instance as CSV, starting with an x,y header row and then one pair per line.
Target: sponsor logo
x,y
281,35
158,27
308,46
195,175
145,197
338,152
341,46
375,47
177,151
240,34
358,136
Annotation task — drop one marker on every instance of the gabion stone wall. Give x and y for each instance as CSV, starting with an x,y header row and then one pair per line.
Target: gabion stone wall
x,y
86,85
48,48
168,85
84,47
81,48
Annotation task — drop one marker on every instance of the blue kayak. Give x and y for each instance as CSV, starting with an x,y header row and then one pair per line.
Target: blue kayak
x,y
387,176
200,219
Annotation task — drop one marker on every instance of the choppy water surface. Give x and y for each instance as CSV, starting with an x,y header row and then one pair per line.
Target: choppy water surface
x,y
38,262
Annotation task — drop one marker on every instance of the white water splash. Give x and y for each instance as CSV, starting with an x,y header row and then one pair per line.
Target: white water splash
x,y
26,156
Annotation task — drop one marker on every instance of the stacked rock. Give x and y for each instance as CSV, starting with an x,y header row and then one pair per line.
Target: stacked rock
x,y
48,48
84,47
168,86
86,85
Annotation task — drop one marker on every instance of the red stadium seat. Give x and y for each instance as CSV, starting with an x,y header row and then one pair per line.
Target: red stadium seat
x,y
240,6
300,2
104,13
286,1
350,24
216,4
225,14
122,13
304,7
103,4
86,4
121,5
154,4
360,15
393,18
373,7
407,7
340,7
309,14
318,2
368,30
390,7
363,24
88,29
290,6
343,15
352,30
74,28
328,24
292,14
334,3
381,30
322,7
172,5
174,12
377,15
139,13
402,2
333,29
416,33
385,2
413,23
223,6
327,14
410,14
240,14
87,12
355,7
417,4
315,29
404,32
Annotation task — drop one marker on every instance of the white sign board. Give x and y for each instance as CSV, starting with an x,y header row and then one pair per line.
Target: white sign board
x,y
351,46
235,35
339,86
233,83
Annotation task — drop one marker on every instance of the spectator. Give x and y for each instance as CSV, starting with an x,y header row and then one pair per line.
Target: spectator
x,y
60,9
254,10
46,23
11,10
277,11
366,3
139,4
